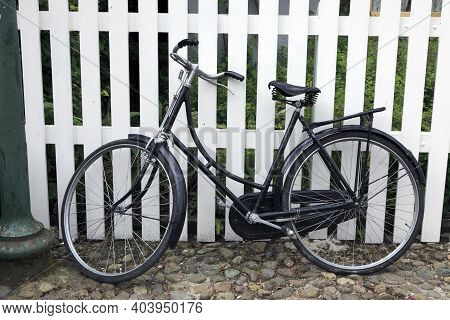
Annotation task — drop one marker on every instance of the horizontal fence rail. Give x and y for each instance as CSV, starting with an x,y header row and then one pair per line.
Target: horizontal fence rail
x,y
388,26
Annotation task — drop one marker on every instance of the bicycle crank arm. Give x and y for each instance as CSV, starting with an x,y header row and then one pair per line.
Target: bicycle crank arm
x,y
254,218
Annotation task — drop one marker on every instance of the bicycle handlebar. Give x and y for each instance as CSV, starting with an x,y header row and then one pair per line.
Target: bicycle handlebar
x,y
188,65
234,75
184,43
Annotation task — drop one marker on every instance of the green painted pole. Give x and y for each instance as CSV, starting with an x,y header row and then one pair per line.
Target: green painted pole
x,y
20,234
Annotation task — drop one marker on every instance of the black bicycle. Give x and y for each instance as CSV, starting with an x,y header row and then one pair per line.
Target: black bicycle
x,y
350,198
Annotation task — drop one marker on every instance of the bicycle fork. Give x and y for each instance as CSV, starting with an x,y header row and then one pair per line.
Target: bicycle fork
x,y
151,145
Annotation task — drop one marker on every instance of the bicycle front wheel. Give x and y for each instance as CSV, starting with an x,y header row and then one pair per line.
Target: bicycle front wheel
x,y
116,214
380,228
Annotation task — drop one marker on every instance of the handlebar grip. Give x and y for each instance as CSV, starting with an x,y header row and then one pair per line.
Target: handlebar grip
x,y
184,43
234,75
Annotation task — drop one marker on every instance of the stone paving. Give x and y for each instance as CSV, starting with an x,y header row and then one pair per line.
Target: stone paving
x,y
247,270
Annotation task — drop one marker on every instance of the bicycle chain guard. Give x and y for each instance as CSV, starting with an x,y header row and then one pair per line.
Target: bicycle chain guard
x,y
253,231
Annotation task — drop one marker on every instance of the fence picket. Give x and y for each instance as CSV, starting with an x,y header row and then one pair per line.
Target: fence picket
x,y
62,98
325,80
438,156
384,97
265,107
412,106
120,105
34,110
297,58
178,18
207,101
149,105
92,117
237,61
354,92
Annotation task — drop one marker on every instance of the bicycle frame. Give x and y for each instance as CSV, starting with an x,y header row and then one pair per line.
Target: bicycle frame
x,y
182,96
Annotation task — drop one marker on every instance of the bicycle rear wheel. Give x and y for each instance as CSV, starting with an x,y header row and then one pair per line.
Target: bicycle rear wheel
x,y
110,241
372,235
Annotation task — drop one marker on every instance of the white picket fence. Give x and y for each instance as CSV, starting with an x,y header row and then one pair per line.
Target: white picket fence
x,y
328,25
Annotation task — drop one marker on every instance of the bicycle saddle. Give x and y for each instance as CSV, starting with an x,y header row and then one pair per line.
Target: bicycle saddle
x,y
289,90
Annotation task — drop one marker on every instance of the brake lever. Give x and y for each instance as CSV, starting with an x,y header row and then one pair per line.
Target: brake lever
x,y
217,84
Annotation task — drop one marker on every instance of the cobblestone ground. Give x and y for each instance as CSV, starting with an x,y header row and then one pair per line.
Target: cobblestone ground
x,y
249,270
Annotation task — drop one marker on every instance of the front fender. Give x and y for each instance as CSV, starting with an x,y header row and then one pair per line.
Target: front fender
x,y
179,210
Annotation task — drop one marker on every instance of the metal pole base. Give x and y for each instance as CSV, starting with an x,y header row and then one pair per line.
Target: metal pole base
x,y
20,235
26,246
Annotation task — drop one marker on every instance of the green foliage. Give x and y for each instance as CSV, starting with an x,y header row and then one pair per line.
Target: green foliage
x,y
341,72
446,208
47,77
73,5
249,168
223,6
399,93
76,77
222,94
429,85
371,67
251,82
280,108
221,158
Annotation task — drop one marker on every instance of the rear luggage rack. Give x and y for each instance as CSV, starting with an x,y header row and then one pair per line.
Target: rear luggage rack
x,y
361,115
